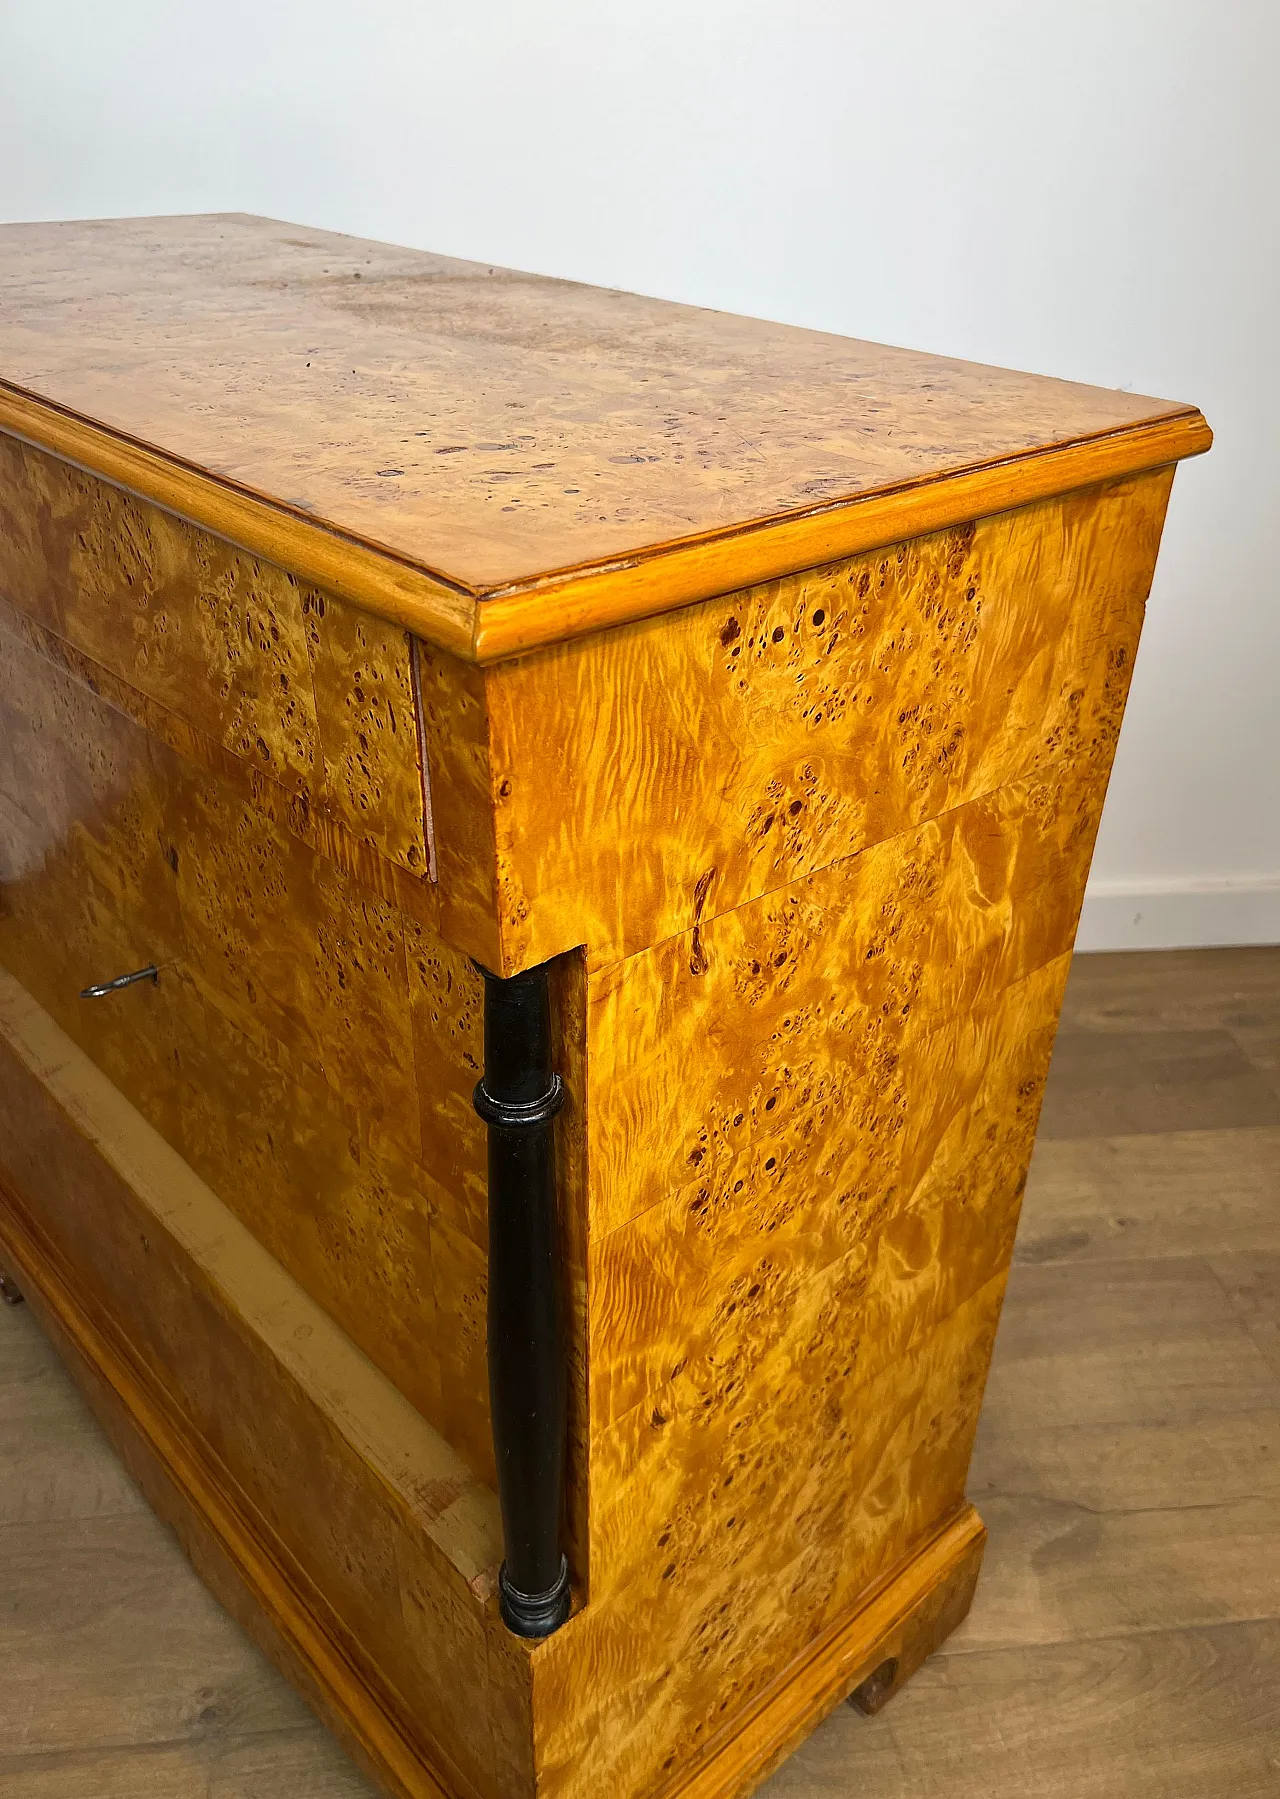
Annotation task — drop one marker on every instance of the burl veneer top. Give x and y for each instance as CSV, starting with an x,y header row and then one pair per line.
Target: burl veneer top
x,y
500,459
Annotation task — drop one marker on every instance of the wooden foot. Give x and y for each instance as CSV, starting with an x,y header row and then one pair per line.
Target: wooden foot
x,y
925,1631
877,1689
10,1291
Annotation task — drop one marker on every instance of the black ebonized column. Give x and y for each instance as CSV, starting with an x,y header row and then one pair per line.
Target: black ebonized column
x,y
518,1098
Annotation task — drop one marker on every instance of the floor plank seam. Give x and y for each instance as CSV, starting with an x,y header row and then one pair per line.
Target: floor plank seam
x,y
34,1760
957,1648
992,1494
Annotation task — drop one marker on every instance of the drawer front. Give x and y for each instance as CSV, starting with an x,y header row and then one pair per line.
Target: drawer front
x,y
309,1048
297,687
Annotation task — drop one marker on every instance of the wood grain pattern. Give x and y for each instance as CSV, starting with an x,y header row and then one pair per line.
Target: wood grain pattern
x,y
726,1604
1062,1575
856,1322
247,655
1153,1715
1194,1080
810,993
283,1401
194,624
917,1208
1154,1193
810,1125
284,1051
1253,1287
807,857
1143,1491
312,1465
294,1762
690,764
85,1592
835,1257
1159,1708
1019,633
1231,989
292,812
577,604
455,735
471,430
59,1477
364,694
1159,1333
898,1627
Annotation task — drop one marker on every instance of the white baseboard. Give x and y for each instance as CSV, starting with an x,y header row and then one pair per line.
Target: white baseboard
x,y
1180,914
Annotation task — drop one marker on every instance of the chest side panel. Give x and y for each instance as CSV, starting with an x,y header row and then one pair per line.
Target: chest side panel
x,y
809,1128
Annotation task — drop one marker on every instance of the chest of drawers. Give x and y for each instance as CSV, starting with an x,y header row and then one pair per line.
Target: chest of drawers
x,y
604,792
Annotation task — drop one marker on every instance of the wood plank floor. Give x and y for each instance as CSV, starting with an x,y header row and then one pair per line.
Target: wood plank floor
x,y
1126,1635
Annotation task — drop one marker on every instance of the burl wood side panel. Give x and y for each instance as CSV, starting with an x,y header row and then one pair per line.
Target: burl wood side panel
x,y
309,1049
455,736
298,687
788,1356
656,776
810,1122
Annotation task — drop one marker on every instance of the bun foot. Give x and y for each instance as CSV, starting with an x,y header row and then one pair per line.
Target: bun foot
x,y
877,1689
899,1651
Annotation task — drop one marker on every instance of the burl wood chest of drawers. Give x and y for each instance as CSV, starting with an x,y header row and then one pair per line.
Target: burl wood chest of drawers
x,y
601,793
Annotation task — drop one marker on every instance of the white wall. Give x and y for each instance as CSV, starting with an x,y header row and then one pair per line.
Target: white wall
x,y
1088,188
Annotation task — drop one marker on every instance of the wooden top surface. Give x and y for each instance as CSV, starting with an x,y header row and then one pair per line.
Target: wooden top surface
x,y
565,455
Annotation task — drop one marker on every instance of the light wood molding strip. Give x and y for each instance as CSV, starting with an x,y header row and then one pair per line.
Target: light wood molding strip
x,y
369,577
513,620
366,1718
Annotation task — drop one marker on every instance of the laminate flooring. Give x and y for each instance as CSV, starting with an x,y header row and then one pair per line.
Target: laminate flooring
x,y
1125,1638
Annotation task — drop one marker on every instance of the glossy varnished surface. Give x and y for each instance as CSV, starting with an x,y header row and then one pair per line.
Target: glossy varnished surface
x,y
809,856
1124,1637
308,696
843,1273
761,736
811,1113
824,844
341,1497
309,1049
648,780
493,428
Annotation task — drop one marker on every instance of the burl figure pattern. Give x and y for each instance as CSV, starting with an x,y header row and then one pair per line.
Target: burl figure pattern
x,y
851,842
796,806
